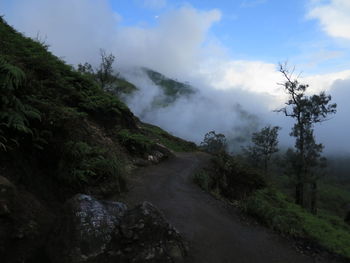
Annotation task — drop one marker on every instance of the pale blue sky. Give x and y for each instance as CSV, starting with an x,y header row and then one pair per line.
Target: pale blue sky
x,y
259,30
267,30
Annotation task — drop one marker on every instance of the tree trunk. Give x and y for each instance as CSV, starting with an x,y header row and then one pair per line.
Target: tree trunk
x,y
299,193
314,197
265,167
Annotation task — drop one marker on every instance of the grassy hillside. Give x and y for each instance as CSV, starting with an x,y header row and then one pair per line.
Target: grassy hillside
x,y
60,132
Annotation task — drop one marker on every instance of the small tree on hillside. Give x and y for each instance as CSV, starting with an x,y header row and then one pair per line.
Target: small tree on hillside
x,y
306,111
214,143
265,144
104,75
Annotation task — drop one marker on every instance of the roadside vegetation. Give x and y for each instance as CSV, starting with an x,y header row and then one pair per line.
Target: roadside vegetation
x,y
291,192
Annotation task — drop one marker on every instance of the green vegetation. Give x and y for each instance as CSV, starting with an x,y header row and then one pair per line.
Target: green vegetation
x,y
105,76
306,159
83,164
172,89
136,143
203,179
275,210
228,177
268,196
264,145
333,198
214,143
64,129
149,136
48,114
174,143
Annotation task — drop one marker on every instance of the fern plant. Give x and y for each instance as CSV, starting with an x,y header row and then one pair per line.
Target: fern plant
x,y
14,114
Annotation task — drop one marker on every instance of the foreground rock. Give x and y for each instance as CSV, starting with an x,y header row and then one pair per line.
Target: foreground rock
x,y
101,231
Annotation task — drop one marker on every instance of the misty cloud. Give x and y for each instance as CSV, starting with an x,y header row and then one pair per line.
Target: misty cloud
x,y
180,46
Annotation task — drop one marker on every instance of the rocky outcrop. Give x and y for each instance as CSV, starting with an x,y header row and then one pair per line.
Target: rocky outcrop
x,y
159,153
100,231
88,230
85,229
145,236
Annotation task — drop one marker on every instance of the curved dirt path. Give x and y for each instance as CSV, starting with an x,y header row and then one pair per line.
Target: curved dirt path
x,y
214,232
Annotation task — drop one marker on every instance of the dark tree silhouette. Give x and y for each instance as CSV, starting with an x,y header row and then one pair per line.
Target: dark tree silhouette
x,y
214,143
306,111
265,144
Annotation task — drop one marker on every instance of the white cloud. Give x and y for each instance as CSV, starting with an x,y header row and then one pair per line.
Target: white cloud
x,y
172,47
325,82
180,46
334,17
74,29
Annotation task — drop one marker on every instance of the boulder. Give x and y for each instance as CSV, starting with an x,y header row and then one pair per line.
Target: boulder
x,y
159,153
96,231
146,236
85,229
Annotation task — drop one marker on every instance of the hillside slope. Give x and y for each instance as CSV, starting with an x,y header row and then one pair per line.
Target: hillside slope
x,y
60,131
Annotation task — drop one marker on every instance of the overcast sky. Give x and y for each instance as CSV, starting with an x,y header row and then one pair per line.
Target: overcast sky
x,y
227,49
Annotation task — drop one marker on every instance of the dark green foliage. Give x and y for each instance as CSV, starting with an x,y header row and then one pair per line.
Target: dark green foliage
x,y
83,165
229,178
136,143
214,143
204,180
15,110
173,143
172,89
264,146
44,111
105,76
306,111
334,198
145,140
233,179
124,87
276,211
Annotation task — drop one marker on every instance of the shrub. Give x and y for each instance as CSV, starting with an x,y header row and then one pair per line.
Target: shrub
x,y
233,179
171,142
136,143
203,179
84,165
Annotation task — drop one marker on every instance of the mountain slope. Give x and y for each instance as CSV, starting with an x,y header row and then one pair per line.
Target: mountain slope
x,y
59,130
172,89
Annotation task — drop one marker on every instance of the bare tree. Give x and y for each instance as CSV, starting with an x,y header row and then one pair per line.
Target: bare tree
x,y
306,111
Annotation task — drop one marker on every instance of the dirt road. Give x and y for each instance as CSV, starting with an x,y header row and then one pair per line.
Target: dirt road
x,y
214,232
